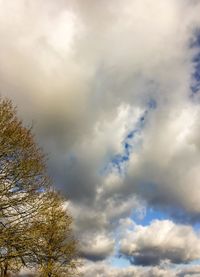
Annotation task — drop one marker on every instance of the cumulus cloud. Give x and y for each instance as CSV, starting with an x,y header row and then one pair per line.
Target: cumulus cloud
x,y
166,170
189,271
95,229
161,241
97,247
103,269
65,74
109,87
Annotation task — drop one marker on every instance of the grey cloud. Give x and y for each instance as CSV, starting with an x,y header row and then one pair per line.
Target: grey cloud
x,y
95,229
84,72
166,170
93,232
189,271
104,269
159,242
61,83
97,247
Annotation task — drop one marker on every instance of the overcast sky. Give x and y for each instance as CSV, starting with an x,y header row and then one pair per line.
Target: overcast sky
x,y
113,90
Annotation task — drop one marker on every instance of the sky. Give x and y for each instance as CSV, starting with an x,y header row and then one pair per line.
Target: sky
x,y
112,88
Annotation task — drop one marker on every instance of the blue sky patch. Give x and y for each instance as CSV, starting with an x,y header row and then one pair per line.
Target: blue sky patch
x,y
195,82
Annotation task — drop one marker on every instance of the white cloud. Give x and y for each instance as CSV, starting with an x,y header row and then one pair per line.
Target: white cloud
x,y
97,246
166,170
104,269
85,71
161,241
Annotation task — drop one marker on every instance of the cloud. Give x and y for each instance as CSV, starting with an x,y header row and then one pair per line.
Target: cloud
x,y
172,243
103,269
166,170
87,75
95,229
97,247
189,271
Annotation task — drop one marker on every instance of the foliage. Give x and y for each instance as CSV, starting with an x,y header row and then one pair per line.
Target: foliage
x,y
55,248
35,230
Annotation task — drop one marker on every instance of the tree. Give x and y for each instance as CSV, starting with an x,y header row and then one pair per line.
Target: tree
x,y
22,176
35,229
55,249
